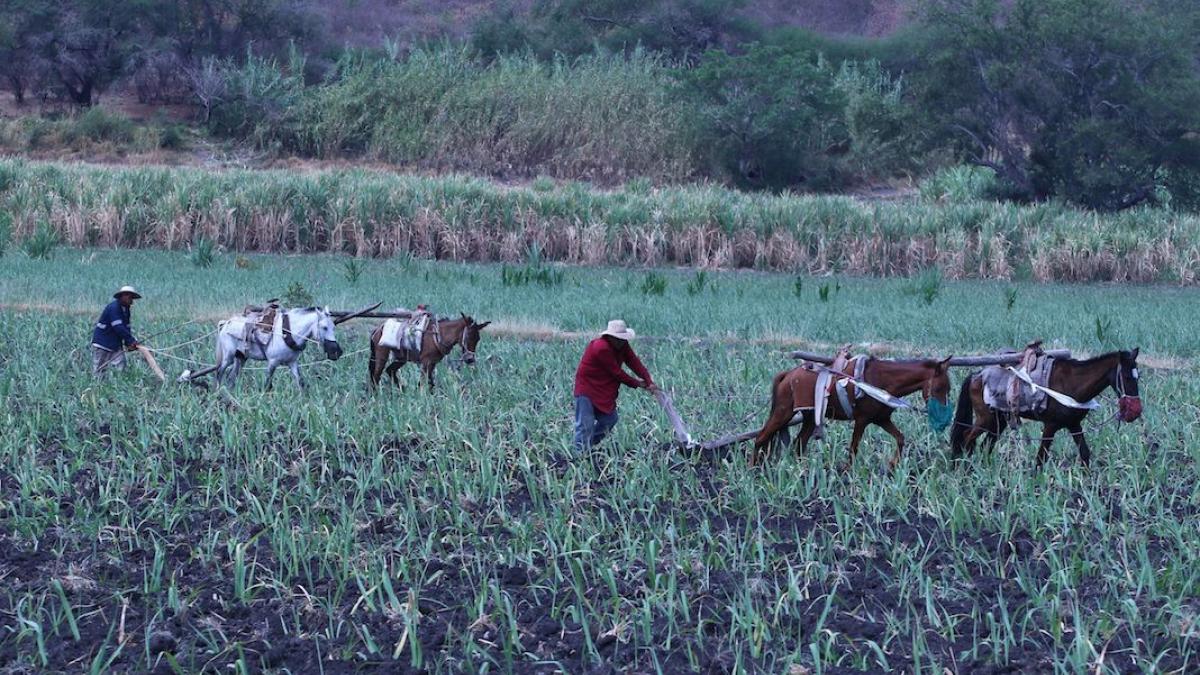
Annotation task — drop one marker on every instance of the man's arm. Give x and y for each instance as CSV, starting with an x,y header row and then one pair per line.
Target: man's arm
x,y
632,360
611,362
122,329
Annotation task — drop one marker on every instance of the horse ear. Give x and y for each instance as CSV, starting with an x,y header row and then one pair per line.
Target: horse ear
x,y
1135,352
483,325
944,364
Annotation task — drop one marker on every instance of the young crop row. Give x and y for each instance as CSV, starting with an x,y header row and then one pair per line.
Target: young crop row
x,y
145,528
148,528
467,219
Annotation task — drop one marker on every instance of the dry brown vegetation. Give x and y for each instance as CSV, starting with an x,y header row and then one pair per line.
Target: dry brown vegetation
x,y
459,218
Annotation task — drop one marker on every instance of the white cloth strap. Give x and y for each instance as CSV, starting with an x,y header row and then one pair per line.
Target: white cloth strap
x,y
1057,396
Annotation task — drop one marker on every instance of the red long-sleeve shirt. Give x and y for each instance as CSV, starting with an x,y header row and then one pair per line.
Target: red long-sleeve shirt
x,y
600,374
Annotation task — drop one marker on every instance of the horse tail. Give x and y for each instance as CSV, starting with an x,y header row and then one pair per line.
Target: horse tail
x,y
371,360
220,354
775,383
964,418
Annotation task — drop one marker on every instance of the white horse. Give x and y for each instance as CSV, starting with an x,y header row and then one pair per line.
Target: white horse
x,y
294,329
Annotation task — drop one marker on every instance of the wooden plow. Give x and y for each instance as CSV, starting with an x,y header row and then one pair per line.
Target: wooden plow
x,y
683,439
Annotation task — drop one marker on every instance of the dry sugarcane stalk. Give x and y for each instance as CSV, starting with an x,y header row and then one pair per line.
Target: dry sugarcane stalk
x,y
682,437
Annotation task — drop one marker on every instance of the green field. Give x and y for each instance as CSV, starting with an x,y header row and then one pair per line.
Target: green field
x,y
147,526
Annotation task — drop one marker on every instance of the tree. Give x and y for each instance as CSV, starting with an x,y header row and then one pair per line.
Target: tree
x,y
1085,99
776,118
682,29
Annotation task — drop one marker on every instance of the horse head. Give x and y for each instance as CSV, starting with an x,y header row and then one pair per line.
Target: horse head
x,y
936,393
323,331
1125,383
470,338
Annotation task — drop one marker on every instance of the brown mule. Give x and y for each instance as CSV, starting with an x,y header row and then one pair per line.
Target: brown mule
x,y
1081,380
794,390
439,339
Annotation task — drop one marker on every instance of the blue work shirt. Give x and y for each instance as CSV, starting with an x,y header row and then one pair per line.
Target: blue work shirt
x,y
112,330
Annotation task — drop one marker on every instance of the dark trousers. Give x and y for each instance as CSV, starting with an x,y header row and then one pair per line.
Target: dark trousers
x,y
591,426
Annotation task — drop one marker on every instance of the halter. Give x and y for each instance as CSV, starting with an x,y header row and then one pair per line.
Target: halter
x,y
460,342
289,338
1118,383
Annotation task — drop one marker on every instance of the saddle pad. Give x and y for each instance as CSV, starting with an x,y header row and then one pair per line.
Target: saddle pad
x,y
999,383
404,335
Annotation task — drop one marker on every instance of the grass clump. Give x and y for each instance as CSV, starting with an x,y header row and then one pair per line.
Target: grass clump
x,y
654,283
926,285
353,270
41,245
204,253
297,295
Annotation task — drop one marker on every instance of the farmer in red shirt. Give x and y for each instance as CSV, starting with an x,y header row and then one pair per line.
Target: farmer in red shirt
x,y
598,379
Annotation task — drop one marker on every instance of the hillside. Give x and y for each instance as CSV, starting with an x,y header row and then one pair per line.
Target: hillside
x,y
368,22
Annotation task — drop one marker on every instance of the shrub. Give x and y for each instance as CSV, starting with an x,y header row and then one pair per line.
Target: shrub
x,y
41,244
172,137
698,283
353,269
958,184
926,285
774,118
98,125
5,231
297,296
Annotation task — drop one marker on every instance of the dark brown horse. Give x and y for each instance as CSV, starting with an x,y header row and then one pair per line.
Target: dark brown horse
x,y
1081,380
440,338
795,389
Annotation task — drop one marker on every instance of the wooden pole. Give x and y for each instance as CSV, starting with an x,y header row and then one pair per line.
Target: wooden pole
x,y
1005,359
682,437
146,354
402,314
734,439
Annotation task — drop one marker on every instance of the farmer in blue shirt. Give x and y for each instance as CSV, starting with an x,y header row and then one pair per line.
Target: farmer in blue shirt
x,y
113,335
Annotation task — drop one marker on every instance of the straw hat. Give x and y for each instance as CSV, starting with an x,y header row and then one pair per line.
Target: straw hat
x,y
130,290
619,330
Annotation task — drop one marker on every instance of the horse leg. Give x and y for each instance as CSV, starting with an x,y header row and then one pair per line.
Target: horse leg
x,y
294,366
1085,453
859,427
271,366
890,427
393,369
233,371
1048,432
806,431
375,365
777,420
994,431
427,367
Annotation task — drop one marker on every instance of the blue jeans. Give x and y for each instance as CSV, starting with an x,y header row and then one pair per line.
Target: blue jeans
x,y
590,426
